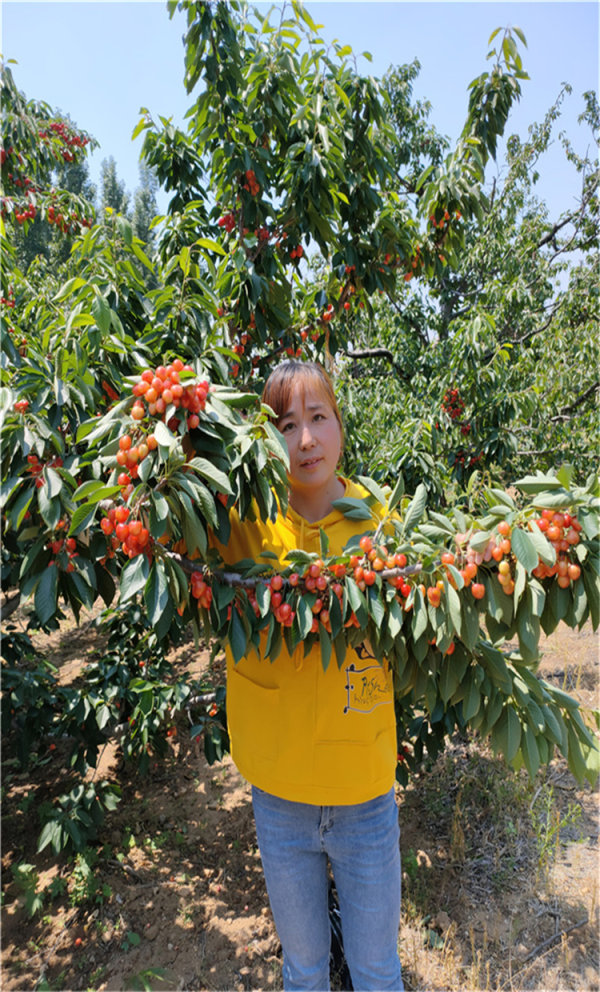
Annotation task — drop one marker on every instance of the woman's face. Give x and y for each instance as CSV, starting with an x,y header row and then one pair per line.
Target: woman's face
x,y
314,440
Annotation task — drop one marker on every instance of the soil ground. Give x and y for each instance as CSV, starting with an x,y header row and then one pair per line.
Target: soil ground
x,y
500,876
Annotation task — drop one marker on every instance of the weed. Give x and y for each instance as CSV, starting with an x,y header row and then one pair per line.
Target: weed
x,y
26,802
416,891
27,880
95,978
131,940
547,823
143,980
158,842
85,886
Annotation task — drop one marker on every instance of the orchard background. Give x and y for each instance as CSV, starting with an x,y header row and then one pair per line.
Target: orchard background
x,y
314,213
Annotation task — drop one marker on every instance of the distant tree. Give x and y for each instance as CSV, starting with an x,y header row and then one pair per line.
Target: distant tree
x,y
113,193
145,206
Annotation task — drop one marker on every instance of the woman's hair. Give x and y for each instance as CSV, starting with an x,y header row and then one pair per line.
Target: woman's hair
x,y
303,376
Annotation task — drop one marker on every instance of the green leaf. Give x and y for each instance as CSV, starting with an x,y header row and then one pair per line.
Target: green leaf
x,y
326,645
537,597
164,436
480,540
101,314
374,604
555,726
134,577
357,601
205,468
591,582
69,287
530,751
82,518
575,757
420,617
237,636
156,593
159,514
449,679
395,618
415,509
454,610
519,34
46,595
506,734
542,546
495,665
374,488
96,489
470,624
304,617
194,534
210,245
524,549
443,522
397,494
354,509
471,700
528,632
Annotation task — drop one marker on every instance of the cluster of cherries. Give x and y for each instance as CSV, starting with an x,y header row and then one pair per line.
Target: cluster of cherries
x,y
130,456
453,404
28,209
201,590
416,263
444,220
58,545
131,536
67,224
28,214
157,390
35,467
59,129
461,456
227,221
250,182
325,582
562,530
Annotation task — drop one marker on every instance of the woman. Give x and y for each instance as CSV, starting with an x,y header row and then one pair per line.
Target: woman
x,y
318,747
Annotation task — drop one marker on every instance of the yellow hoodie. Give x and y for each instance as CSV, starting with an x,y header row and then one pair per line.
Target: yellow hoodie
x,y
297,731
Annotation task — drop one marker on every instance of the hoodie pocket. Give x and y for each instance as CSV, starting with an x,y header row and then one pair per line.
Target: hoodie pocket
x,y
253,718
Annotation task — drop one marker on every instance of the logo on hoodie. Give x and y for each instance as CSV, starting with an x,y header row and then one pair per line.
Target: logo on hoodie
x,y
367,688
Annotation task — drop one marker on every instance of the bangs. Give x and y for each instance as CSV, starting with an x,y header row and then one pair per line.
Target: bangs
x,y
303,377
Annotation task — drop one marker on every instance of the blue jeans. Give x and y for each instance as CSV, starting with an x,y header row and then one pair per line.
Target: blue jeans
x,y
362,844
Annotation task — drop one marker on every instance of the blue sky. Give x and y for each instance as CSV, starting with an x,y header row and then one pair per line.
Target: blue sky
x,y
101,62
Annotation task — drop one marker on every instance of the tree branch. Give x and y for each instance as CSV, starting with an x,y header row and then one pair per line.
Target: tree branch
x,y
379,353
235,579
579,401
555,229
569,218
372,353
